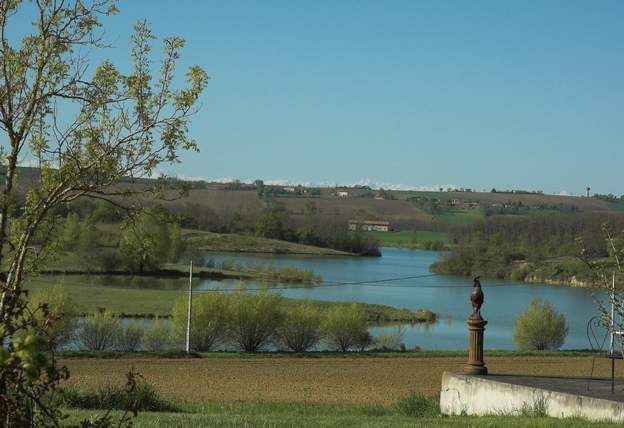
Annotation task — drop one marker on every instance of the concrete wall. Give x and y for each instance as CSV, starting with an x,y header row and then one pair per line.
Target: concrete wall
x,y
481,395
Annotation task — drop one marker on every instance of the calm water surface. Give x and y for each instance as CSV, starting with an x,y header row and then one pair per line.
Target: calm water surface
x,y
448,296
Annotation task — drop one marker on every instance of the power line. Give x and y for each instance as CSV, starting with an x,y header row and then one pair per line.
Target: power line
x,y
377,283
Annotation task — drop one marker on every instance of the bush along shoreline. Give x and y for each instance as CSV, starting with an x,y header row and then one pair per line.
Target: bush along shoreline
x,y
240,321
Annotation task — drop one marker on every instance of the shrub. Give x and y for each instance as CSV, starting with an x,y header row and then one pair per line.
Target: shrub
x,y
301,329
157,336
389,341
364,341
540,327
344,327
109,397
130,339
255,319
60,305
210,321
419,406
100,332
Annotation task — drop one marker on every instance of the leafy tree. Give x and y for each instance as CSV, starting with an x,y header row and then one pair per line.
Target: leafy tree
x,y
255,319
88,248
211,318
259,187
130,339
271,224
113,125
100,332
301,327
71,231
157,336
345,326
62,308
149,240
177,245
540,327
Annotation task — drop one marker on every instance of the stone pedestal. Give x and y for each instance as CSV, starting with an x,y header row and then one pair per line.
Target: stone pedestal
x,y
475,365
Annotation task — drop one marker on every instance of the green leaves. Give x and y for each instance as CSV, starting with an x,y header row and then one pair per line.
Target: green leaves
x,y
540,327
88,130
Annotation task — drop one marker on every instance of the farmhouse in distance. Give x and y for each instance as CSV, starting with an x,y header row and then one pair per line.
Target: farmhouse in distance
x,y
369,226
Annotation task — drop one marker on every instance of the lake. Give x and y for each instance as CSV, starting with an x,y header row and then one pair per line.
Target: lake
x,y
448,296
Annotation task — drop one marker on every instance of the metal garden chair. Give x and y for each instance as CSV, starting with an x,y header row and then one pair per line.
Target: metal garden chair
x,y
599,335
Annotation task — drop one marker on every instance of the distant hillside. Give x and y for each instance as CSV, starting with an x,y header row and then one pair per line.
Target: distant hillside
x,y
531,199
406,210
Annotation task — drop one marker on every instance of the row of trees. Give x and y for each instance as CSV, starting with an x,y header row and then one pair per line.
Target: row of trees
x,y
254,321
498,245
243,321
147,240
314,229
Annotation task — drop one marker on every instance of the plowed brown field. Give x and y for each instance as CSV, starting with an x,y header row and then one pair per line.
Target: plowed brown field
x,y
327,380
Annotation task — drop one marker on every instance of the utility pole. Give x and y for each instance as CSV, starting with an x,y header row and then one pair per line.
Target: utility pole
x,y
190,309
612,335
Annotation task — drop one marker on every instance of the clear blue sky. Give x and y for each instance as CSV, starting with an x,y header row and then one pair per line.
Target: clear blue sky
x,y
511,94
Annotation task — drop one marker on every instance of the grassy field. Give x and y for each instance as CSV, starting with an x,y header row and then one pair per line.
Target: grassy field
x,y
127,296
407,238
268,415
330,391
459,216
222,242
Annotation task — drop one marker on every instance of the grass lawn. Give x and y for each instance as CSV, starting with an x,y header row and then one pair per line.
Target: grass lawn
x,y
407,238
259,414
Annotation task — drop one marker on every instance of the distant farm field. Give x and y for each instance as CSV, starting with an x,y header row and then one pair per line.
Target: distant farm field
x,y
458,216
220,201
360,208
327,380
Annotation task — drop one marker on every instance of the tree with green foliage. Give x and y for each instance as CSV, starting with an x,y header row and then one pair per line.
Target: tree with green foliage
x,y
150,239
157,336
100,332
71,229
301,327
540,327
211,318
344,327
130,339
86,126
259,188
62,307
255,319
271,224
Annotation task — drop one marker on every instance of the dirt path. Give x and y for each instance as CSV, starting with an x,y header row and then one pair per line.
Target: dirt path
x,y
313,380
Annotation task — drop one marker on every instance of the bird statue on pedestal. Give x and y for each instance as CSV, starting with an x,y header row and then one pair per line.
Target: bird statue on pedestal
x,y
476,298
